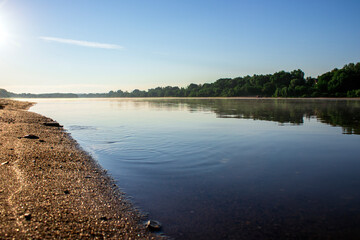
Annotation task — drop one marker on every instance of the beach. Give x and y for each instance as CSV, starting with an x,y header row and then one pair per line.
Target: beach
x,y
51,189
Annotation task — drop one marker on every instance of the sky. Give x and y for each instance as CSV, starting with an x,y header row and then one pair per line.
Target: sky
x,y
101,45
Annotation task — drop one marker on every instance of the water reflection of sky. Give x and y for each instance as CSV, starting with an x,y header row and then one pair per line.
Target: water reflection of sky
x,y
227,169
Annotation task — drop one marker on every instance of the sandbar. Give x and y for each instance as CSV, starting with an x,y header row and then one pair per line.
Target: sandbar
x,y
51,189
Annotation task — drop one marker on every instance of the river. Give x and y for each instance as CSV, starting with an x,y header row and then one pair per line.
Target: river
x,y
227,168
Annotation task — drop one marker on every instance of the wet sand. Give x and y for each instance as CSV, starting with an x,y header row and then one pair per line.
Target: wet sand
x,y
50,189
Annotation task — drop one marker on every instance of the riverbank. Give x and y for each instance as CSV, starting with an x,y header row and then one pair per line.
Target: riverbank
x,y
51,189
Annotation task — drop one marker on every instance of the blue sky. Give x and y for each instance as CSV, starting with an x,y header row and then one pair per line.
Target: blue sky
x,y
103,45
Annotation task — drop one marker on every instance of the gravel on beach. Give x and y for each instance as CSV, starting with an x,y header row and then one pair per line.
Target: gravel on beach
x,y
51,189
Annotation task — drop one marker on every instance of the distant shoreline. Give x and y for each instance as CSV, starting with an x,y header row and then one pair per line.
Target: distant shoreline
x,y
293,98
337,83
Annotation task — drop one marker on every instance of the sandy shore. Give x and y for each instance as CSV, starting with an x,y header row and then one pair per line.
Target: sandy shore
x,y
51,189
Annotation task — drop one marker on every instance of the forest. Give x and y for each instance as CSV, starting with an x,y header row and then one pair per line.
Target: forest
x,y
344,82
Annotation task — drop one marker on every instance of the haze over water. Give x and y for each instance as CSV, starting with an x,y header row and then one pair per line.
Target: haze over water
x,y
228,169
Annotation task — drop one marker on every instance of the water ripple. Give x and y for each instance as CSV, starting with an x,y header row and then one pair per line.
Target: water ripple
x,y
80,127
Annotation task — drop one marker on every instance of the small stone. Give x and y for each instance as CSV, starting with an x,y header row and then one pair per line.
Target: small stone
x,y
67,192
104,219
88,176
41,140
27,216
153,225
30,136
7,162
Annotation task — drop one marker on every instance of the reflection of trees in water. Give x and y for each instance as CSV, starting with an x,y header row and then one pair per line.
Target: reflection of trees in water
x,y
344,113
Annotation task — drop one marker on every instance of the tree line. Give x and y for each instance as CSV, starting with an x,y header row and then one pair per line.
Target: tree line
x,y
344,82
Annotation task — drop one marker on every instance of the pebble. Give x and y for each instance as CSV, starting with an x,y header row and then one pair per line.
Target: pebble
x,y
27,216
153,225
7,162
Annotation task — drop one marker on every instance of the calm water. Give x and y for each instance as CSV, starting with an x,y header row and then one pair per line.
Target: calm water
x,y
228,169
